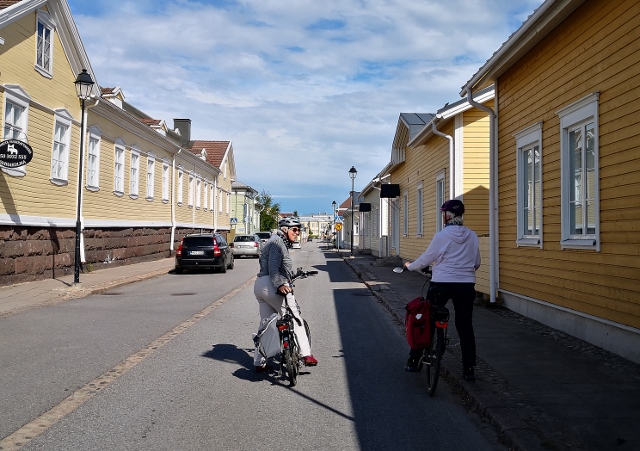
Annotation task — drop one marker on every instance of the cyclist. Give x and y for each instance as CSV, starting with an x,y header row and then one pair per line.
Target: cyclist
x,y
276,270
454,256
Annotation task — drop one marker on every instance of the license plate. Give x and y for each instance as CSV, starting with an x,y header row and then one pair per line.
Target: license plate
x,y
197,253
245,245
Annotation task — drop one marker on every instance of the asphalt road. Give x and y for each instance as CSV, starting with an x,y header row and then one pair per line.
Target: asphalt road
x,y
166,364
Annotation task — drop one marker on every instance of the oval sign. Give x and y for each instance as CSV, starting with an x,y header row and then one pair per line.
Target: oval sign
x,y
15,153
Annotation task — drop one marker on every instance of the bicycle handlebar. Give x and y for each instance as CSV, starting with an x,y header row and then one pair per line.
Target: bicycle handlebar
x,y
300,274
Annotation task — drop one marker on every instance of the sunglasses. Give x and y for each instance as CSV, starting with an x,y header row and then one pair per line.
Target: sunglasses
x,y
295,230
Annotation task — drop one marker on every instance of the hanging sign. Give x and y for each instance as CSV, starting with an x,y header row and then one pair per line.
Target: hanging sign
x,y
15,153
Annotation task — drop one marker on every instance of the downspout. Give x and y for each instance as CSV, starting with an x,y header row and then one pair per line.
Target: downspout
x,y
84,132
173,199
452,158
493,193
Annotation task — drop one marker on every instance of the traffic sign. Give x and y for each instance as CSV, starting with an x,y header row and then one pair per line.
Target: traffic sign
x,y
338,227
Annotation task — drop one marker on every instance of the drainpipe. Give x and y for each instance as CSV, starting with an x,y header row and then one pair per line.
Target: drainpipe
x,y
173,199
493,193
452,158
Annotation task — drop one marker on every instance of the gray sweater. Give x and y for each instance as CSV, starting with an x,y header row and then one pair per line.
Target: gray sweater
x,y
275,261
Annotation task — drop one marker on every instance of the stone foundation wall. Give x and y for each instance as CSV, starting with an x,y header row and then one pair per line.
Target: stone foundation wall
x,y
31,253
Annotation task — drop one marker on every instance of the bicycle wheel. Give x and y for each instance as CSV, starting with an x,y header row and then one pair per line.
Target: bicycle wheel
x,y
432,358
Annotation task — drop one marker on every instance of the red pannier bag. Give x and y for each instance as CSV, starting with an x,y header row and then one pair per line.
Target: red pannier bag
x,y
416,323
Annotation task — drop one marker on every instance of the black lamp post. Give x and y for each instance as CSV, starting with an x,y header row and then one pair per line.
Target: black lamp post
x,y
84,84
334,221
352,174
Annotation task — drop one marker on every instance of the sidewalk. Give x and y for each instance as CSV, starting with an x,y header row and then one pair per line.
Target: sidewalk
x,y
540,388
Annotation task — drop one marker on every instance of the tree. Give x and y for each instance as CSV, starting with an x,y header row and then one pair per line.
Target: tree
x,y
268,211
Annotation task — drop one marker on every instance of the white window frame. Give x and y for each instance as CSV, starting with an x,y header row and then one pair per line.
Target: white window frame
x,y
441,187
180,188
220,201
15,128
405,213
228,203
212,197
191,188
60,144
528,204
198,192
419,210
134,173
205,190
578,116
119,152
93,158
165,181
151,176
44,44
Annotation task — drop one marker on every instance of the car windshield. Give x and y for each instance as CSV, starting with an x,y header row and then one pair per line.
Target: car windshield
x,y
244,238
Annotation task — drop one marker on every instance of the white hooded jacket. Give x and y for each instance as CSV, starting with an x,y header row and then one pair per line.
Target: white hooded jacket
x,y
453,254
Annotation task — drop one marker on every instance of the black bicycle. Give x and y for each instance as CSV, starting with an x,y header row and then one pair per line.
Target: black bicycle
x,y
290,358
439,323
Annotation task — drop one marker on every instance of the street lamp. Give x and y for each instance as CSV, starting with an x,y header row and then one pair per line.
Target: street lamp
x,y
334,221
84,84
352,174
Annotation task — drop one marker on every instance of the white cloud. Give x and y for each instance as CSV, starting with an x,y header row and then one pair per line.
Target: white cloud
x,y
303,89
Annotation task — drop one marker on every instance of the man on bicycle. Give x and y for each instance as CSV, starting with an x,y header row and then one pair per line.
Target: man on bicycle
x,y
273,282
454,255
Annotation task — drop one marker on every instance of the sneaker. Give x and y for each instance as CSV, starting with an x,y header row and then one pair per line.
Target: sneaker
x,y
468,375
310,360
266,368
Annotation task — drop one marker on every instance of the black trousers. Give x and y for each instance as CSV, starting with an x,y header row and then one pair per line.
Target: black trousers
x,y
463,296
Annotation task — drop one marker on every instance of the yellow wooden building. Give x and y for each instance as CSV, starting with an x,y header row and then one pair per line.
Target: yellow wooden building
x,y
566,170
140,189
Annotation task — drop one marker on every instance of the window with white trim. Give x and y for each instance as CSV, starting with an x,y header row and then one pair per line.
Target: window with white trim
x,y
220,201
228,202
191,189
118,169
165,181
198,192
134,173
180,190
212,198
440,199
60,148
419,210
16,114
579,144
405,214
151,176
44,44
93,159
529,190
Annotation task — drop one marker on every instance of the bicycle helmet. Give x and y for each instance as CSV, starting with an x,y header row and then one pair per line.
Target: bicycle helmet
x,y
455,206
289,222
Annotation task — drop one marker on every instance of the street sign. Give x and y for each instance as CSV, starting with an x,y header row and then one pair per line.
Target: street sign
x,y
338,227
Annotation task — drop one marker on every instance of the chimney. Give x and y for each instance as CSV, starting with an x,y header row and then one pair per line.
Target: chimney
x,y
184,126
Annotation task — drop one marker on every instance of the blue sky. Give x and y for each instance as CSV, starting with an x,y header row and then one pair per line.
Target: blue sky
x,y
304,89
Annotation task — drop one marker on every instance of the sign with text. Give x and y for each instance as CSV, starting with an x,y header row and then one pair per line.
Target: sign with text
x,y
15,153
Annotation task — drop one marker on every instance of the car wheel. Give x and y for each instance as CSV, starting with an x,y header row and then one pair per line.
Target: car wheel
x,y
233,263
223,268
179,270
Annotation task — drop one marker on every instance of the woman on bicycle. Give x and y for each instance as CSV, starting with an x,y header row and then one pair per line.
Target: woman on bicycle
x,y
454,255
273,282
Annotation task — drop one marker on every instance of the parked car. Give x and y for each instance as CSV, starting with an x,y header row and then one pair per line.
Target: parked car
x,y
296,245
247,245
264,236
204,251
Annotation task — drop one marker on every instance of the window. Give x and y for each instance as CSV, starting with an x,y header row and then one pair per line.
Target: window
x,y
151,175
198,191
212,198
205,202
16,112
133,173
405,213
440,199
60,149
191,187
580,174
220,201
180,191
93,159
118,169
165,181
419,210
44,44
529,192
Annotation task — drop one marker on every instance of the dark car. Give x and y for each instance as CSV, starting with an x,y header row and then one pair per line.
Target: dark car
x,y
264,236
204,251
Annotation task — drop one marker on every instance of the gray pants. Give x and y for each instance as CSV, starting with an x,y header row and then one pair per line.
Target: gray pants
x,y
270,302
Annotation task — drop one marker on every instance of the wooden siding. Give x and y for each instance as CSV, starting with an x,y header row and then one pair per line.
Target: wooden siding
x,y
476,171
594,49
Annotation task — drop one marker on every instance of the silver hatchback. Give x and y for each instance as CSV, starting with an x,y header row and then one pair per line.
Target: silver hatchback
x,y
246,245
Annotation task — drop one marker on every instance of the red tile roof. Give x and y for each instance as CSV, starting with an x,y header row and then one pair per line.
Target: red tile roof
x,y
7,3
215,150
